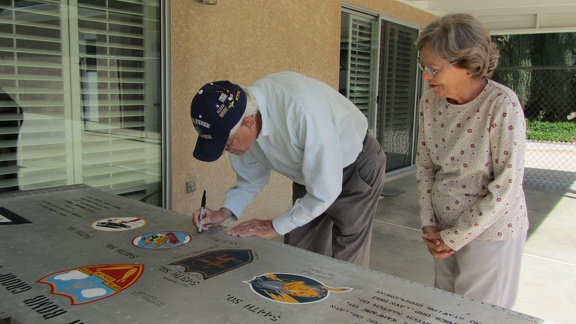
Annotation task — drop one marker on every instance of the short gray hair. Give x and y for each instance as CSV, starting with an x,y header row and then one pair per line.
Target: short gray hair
x,y
461,38
251,110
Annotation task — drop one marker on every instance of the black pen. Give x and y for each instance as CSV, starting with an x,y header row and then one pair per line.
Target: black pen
x,y
202,207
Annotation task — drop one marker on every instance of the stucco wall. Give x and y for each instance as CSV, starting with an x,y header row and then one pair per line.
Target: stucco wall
x,y
242,41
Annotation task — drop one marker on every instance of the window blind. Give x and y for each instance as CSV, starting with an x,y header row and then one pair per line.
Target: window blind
x,y
74,107
120,153
398,90
360,67
32,78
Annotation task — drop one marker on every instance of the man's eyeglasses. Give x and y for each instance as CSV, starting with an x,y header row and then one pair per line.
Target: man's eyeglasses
x,y
430,70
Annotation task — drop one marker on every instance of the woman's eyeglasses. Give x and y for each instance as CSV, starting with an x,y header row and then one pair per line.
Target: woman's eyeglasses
x,y
430,70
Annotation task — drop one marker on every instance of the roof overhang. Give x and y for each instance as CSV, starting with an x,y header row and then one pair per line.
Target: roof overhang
x,y
510,16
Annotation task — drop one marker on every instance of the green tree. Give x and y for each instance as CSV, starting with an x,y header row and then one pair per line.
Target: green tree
x,y
547,91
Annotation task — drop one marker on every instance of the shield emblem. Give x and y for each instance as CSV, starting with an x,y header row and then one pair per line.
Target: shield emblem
x,y
87,284
213,263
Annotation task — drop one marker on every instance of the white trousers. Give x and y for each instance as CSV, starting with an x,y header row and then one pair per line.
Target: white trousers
x,y
484,271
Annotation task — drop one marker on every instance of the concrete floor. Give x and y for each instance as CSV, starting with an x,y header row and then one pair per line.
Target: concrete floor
x,y
548,277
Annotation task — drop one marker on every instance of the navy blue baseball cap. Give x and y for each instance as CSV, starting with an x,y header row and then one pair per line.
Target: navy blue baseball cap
x,y
215,110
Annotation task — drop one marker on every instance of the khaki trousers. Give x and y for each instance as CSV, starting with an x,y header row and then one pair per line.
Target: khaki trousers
x,y
346,226
484,271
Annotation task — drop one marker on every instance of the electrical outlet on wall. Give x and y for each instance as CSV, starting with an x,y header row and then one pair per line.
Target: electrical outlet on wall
x,y
190,186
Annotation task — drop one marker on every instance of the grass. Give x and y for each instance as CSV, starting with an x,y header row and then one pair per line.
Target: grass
x,y
551,132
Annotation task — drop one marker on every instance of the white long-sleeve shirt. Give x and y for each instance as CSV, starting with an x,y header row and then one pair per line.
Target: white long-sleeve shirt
x,y
470,166
310,132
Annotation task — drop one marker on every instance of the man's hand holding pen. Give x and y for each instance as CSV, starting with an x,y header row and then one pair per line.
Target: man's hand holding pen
x,y
253,227
211,218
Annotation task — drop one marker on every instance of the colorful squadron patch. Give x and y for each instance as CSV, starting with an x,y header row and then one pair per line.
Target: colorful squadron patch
x,y
161,240
291,289
118,224
9,218
213,263
87,284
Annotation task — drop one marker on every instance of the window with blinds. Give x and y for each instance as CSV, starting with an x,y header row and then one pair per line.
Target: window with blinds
x,y
80,95
378,74
357,68
398,79
34,85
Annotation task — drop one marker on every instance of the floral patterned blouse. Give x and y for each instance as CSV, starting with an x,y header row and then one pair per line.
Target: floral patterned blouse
x,y
470,166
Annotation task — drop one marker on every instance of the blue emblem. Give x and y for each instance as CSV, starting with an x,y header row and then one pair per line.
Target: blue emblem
x,y
161,240
213,263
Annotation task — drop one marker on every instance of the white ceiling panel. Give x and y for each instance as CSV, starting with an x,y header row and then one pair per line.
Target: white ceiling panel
x,y
510,16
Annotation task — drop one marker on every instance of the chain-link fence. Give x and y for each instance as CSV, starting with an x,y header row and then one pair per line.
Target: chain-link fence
x,y
548,95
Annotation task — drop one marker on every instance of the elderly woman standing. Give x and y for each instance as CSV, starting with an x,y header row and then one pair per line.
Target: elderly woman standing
x,y
470,164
